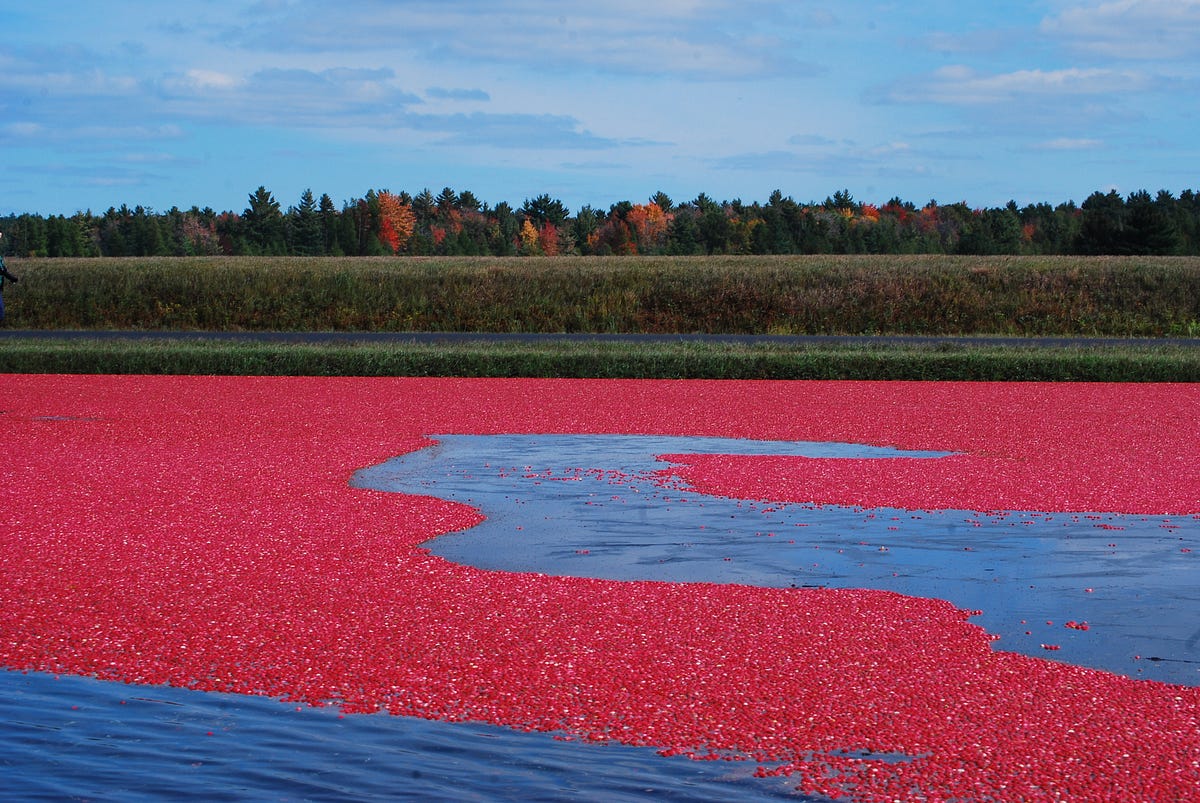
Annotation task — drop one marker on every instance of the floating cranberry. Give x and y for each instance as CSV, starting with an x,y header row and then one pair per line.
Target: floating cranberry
x,y
201,532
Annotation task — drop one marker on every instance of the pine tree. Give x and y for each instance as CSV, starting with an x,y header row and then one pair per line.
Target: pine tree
x,y
264,224
308,237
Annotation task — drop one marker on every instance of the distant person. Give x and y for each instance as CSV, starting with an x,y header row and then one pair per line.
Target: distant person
x,y
4,274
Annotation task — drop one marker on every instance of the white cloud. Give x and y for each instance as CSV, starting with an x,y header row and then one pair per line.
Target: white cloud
x,y
696,39
1131,29
974,43
821,18
961,85
330,98
445,93
1069,144
155,133
74,83
150,158
210,79
891,149
85,136
22,130
816,155
517,131
809,140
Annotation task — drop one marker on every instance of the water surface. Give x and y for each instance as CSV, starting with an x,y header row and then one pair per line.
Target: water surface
x,y
591,506
73,738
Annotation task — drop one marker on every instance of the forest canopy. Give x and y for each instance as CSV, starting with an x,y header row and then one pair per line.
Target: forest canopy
x,y
458,223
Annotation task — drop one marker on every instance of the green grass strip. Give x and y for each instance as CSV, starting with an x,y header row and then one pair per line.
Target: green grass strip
x,y
607,360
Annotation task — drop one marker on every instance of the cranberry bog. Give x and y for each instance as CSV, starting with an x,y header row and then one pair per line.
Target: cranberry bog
x,y
207,533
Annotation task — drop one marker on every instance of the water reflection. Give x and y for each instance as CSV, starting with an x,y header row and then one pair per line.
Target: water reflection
x,y
589,506
75,738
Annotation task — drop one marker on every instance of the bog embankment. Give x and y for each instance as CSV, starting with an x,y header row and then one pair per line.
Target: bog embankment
x,y
822,316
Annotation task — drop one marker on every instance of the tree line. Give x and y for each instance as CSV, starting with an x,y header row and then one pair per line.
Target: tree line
x,y
458,223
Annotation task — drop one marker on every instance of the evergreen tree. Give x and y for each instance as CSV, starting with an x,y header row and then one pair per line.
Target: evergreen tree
x,y
308,237
63,237
715,230
367,224
264,224
663,201
1152,229
1104,223
468,202
544,209
842,199
424,207
583,225
620,210
773,237
683,235
446,201
148,233
330,241
1187,221
503,236
347,230
113,232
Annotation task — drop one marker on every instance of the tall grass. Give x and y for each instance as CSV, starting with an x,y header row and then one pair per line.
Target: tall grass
x,y
1099,296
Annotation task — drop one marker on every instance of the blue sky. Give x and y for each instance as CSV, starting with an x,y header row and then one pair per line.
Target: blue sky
x,y
199,103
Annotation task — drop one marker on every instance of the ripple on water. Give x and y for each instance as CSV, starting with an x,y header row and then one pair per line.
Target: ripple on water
x,y
79,738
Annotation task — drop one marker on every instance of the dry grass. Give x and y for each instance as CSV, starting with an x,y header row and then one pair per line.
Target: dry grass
x,y
923,294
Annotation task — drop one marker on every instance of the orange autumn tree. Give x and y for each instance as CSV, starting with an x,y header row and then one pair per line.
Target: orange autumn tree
x,y
649,225
530,244
396,221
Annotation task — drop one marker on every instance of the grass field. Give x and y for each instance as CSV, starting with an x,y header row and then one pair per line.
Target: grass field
x,y
1146,298
835,295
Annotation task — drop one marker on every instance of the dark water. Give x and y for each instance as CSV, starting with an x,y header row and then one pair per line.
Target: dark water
x,y
73,738
583,505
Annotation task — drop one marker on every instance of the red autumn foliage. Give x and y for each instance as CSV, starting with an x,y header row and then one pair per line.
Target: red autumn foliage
x,y
896,210
201,532
396,221
388,235
928,218
613,236
548,239
649,224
